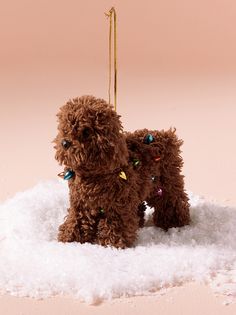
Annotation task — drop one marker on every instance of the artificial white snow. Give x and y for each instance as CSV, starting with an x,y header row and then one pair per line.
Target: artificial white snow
x,y
33,263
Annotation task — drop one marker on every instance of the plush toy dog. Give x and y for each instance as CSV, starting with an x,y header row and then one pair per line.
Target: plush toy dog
x,y
112,173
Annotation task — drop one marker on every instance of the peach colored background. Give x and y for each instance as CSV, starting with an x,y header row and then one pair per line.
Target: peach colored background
x,y
176,61
177,67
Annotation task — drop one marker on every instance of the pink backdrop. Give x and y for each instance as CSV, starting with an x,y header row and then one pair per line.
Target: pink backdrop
x,y
176,67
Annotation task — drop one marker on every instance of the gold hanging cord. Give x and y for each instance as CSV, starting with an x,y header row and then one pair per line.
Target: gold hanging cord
x,y
110,14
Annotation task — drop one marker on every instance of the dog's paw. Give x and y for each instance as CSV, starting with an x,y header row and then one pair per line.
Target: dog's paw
x,y
67,234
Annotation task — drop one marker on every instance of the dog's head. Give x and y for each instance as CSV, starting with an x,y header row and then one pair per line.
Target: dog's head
x,y
90,136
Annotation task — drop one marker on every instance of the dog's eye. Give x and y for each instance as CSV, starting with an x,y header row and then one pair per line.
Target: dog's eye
x,y
66,144
86,133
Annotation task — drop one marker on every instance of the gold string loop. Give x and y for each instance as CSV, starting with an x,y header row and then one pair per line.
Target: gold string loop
x,y
112,14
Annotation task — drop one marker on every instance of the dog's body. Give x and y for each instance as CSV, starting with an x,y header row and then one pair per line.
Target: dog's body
x,y
114,173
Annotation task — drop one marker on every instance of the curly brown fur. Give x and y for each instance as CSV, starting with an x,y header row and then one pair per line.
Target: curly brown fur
x,y
104,208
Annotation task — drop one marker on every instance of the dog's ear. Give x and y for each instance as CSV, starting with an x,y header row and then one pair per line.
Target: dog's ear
x,y
109,120
112,138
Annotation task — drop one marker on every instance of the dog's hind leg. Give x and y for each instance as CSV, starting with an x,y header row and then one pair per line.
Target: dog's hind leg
x,y
168,211
141,213
168,198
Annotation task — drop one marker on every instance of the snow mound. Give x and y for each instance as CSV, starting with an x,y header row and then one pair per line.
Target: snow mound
x,y
33,263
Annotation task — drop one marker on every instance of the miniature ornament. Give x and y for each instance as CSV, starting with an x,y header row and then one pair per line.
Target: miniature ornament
x,y
101,210
157,158
67,175
123,175
136,162
153,178
159,192
148,139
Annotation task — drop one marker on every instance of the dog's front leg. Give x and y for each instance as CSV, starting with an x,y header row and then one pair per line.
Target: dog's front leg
x,y
80,225
118,228
69,231
109,233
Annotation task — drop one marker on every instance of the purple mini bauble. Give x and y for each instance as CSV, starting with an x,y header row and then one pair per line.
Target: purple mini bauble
x,y
159,192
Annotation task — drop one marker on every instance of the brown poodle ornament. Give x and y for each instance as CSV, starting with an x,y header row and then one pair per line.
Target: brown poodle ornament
x,y
113,174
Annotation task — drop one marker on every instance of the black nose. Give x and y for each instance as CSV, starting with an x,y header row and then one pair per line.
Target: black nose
x,y
66,144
